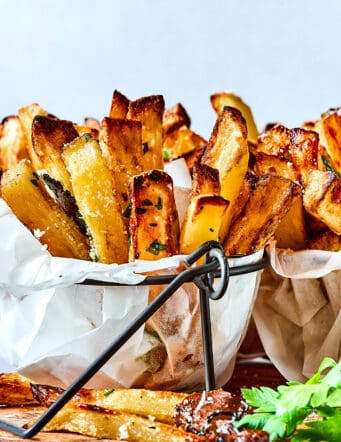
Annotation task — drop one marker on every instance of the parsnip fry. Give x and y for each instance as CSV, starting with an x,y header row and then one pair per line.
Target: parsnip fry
x,y
15,390
12,142
29,201
26,115
149,111
119,105
121,142
227,151
223,99
48,138
266,207
154,224
93,190
159,404
322,198
202,221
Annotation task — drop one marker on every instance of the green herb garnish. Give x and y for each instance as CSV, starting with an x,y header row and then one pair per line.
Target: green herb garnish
x,y
34,182
146,202
158,205
329,167
167,154
155,247
281,411
109,391
127,211
140,210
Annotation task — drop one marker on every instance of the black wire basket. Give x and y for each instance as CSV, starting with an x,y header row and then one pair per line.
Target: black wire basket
x,y
215,268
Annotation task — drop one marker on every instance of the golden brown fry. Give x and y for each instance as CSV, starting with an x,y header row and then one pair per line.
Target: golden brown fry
x,y
276,141
21,189
122,148
249,184
101,423
154,224
48,138
304,151
119,105
174,118
331,124
270,164
322,198
149,111
227,151
93,190
12,142
26,116
266,207
180,142
159,404
291,233
205,180
223,99
15,390
202,221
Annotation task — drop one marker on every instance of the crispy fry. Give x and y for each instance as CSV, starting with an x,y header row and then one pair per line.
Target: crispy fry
x,y
119,105
249,184
276,141
93,190
122,147
291,232
180,142
48,138
15,390
202,221
174,118
159,404
331,124
149,111
271,164
26,116
23,192
12,142
227,151
304,151
205,180
223,99
154,224
266,207
326,240
322,198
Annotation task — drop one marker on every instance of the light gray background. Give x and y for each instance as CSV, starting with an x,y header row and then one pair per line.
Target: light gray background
x,y
282,57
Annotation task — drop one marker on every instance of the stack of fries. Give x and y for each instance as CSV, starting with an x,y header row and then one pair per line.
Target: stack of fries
x,y
99,191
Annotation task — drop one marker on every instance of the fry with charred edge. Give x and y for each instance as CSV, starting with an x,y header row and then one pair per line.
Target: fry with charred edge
x,y
331,124
223,99
154,224
15,390
304,151
93,190
12,142
205,180
227,151
149,111
194,157
159,404
249,184
48,137
22,191
266,207
270,164
180,142
202,221
121,142
276,141
291,233
175,117
119,105
26,116
101,423
322,198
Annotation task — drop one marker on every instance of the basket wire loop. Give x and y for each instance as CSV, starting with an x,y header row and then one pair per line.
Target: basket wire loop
x,y
198,275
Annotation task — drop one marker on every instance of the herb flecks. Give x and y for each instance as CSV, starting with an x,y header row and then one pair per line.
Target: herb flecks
x,y
155,247
167,154
109,391
329,167
127,211
158,205
146,202
140,210
34,182
145,147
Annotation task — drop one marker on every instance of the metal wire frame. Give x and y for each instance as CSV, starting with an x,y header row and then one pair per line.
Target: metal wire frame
x,y
216,266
